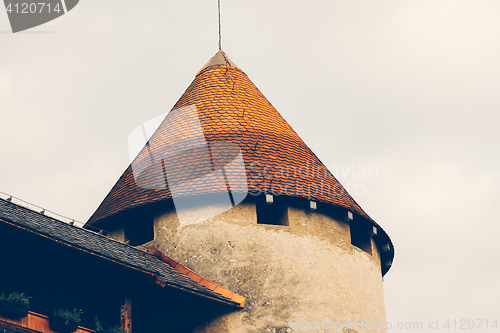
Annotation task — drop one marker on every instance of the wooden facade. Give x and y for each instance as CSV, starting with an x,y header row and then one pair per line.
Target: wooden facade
x,y
34,321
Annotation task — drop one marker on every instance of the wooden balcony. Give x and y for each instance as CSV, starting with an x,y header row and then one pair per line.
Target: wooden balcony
x,y
36,322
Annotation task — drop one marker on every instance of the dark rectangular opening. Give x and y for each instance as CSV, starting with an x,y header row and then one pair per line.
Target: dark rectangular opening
x,y
140,231
361,238
275,213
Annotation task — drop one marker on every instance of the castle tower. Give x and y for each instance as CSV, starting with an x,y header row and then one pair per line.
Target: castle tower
x,y
227,188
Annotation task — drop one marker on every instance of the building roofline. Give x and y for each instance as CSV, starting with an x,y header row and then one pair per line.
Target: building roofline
x,y
33,222
196,277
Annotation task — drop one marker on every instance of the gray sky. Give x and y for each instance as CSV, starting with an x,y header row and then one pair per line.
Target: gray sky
x,y
407,87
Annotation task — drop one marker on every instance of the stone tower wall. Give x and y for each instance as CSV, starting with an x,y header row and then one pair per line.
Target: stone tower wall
x,y
304,275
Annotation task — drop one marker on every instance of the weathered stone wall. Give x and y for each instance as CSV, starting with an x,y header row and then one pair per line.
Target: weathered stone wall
x,y
307,271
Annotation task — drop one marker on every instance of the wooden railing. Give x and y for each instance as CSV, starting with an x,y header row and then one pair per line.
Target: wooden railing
x,y
38,322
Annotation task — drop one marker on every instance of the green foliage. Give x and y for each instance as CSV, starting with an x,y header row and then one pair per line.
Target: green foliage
x,y
16,298
98,325
70,317
115,329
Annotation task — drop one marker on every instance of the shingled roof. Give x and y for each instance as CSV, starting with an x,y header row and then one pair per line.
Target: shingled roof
x,y
232,111
234,117
114,251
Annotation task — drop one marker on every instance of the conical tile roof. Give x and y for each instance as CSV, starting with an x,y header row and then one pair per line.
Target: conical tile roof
x,y
224,111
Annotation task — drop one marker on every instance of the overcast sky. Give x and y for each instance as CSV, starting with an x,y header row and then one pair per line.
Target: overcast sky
x,y
409,88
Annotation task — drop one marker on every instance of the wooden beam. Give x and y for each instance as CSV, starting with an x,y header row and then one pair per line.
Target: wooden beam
x,y
126,315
